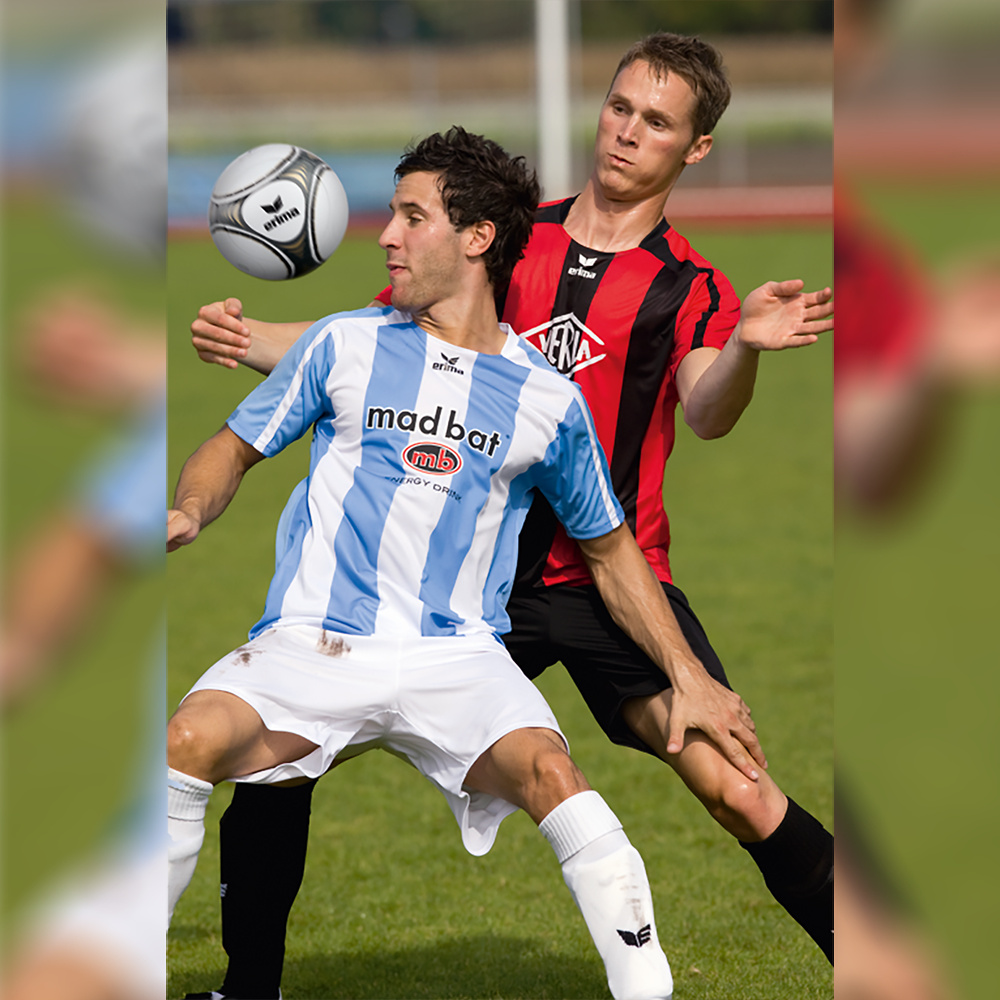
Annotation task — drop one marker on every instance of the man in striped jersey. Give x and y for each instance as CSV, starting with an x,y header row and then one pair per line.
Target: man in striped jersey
x,y
621,303
433,428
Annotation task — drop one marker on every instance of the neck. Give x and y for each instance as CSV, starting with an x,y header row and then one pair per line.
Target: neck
x,y
467,323
604,223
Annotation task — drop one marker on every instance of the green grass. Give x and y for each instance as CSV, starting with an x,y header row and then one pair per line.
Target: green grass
x,y
392,906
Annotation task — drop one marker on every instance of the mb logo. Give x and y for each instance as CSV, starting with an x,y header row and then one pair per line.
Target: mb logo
x,y
569,345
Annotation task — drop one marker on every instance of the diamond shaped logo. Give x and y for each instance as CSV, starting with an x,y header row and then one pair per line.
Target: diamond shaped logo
x,y
568,345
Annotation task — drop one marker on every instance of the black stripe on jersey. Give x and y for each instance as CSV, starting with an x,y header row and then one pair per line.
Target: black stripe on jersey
x,y
556,212
698,339
651,343
579,289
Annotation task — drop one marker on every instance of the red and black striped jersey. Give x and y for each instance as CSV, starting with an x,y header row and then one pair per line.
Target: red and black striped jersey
x,y
619,325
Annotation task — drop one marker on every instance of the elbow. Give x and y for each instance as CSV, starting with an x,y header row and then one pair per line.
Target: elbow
x,y
707,428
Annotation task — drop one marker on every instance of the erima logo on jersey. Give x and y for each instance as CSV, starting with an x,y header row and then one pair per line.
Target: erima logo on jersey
x,y
389,418
581,271
637,939
568,345
447,365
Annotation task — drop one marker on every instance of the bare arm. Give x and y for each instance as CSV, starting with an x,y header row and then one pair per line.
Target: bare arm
x,y
222,335
208,482
715,386
637,603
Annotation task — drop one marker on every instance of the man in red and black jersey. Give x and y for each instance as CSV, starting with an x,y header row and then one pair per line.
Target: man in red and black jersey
x,y
618,301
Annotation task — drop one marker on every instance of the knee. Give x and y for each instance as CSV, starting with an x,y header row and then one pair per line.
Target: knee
x,y
553,778
749,810
189,745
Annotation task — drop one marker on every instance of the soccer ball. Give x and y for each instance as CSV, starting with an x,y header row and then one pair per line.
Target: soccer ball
x,y
277,211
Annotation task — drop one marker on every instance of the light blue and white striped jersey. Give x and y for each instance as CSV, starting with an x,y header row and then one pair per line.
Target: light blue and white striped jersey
x,y
423,459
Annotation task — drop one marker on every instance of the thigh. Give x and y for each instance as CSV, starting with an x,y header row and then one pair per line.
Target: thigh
x,y
608,667
215,735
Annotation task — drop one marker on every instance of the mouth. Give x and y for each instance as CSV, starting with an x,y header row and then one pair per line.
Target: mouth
x,y
618,161
394,268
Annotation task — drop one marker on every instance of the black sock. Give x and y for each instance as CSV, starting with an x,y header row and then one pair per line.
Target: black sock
x,y
797,864
263,836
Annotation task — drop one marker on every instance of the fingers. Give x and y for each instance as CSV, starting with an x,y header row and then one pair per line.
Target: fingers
x,y
219,335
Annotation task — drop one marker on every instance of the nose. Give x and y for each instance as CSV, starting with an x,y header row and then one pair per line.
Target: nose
x,y
388,237
626,133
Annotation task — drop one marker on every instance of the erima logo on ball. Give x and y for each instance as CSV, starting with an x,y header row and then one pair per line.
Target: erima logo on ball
x,y
388,418
637,939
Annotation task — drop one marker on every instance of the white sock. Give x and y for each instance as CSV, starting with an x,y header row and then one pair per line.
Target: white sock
x,y
607,879
187,799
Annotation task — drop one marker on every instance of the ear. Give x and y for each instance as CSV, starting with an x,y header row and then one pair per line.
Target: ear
x,y
479,238
698,150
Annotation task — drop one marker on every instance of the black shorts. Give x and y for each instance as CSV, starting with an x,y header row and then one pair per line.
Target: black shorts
x,y
571,625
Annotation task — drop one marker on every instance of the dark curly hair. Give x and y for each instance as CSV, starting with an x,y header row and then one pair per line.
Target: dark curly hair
x,y
694,61
479,181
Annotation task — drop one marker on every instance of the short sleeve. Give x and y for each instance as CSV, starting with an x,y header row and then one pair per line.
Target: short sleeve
x,y
574,476
707,318
293,397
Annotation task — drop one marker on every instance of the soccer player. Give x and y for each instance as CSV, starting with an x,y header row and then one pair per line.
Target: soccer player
x,y
381,623
619,301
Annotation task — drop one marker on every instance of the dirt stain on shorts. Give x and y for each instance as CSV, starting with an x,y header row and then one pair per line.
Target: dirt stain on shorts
x,y
331,645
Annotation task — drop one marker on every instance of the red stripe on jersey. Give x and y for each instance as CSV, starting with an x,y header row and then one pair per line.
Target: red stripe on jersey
x,y
619,325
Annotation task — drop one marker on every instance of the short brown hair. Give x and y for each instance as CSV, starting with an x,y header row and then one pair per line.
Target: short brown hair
x,y
480,181
694,61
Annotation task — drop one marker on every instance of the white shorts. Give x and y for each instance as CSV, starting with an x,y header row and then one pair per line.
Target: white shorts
x,y
437,702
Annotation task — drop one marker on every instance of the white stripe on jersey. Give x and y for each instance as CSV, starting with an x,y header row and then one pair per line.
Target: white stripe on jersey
x,y
423,460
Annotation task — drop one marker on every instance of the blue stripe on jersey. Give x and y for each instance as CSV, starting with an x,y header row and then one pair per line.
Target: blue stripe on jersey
x,y
283,406
452,539
293,525
354,596
580,493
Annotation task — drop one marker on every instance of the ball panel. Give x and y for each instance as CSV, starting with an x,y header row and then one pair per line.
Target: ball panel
x,y
329,214
276,210
253,167
253,255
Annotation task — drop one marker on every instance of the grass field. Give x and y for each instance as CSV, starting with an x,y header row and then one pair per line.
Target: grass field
x,y
391,905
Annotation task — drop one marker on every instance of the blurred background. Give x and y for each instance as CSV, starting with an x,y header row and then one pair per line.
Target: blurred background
x,y
355,80
918,419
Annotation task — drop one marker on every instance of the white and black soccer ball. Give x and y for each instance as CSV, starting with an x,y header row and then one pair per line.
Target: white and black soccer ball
x,y
277,211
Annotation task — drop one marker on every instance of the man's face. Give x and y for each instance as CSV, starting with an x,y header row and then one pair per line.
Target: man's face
x,y
424,253
644,134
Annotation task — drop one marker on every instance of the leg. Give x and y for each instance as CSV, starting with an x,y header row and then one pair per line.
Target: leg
x,y
604,873
212,736
793,851
262,838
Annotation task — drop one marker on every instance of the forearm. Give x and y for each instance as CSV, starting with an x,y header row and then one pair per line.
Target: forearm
x,y
212,475
269,342
634,597
723,390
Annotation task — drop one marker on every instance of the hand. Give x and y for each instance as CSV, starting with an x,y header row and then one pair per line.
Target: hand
x,y
84,351
702,703
219,334
182,529
778,315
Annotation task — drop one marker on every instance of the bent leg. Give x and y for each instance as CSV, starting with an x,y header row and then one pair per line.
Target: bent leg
x,y
603,871
212,736
790,847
